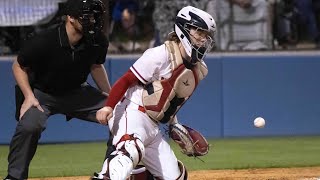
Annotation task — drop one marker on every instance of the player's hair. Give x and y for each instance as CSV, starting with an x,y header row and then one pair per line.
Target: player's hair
x,y
173,37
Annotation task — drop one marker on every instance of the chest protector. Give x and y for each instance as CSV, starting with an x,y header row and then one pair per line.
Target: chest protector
x,y
162,99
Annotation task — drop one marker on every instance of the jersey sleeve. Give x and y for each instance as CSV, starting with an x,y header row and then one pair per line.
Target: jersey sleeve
x,y
149,64
120,87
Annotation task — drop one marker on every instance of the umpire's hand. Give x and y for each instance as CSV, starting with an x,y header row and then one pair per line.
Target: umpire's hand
x,y
28,103
104,115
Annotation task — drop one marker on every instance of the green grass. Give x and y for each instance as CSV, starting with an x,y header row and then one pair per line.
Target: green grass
x,y
233,153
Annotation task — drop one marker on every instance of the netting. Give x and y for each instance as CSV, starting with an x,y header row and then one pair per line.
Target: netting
x,y
27,12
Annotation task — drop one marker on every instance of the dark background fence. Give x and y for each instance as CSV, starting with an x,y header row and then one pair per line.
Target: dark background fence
x,y
281,87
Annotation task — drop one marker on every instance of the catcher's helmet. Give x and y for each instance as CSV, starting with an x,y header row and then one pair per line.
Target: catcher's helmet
x,y
191,17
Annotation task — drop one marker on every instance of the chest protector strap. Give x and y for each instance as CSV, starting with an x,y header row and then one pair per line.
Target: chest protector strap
x,y
162,99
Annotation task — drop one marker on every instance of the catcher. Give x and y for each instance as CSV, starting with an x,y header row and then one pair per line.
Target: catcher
x,y
151,92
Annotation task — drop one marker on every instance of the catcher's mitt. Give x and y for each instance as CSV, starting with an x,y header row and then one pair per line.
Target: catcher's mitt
x,y
191,141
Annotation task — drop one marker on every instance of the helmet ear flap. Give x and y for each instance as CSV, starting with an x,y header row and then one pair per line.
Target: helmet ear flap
x,y
183,38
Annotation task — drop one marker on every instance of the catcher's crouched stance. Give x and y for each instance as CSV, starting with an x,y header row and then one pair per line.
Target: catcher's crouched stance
x,y
152,92
130,150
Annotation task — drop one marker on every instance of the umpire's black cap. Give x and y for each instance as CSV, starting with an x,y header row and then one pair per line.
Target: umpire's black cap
x,y
76,8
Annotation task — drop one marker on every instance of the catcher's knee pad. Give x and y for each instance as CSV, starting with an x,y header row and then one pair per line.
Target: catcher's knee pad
x,y
183,171
129,152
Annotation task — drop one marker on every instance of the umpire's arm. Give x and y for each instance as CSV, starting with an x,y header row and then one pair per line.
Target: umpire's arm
x,y
100,77
21,75
22,79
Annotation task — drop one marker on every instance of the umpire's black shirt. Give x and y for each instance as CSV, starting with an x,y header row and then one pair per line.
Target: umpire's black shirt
x,y
58,68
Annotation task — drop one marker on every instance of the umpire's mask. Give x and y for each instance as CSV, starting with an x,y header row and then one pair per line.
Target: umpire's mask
x,y
90,14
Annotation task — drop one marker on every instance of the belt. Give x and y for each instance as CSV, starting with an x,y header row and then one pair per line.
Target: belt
x,y
142,109
135,106
138,107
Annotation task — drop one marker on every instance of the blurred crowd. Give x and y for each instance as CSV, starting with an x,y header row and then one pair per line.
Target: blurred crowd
x,y
242,25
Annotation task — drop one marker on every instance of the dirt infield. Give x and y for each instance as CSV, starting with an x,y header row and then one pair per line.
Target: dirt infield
x,y
307,173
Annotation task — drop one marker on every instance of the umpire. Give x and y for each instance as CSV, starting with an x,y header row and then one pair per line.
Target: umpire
x,y
51,71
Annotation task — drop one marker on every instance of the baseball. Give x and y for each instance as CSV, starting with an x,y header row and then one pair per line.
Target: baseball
x,y
259,122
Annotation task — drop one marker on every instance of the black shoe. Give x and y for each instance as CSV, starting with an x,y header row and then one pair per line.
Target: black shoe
x,y
95,176
10,178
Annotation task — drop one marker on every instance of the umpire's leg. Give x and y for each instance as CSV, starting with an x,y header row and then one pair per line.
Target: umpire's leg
x,y
25,141
82,103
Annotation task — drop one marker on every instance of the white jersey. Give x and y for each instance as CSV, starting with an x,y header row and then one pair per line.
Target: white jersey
x,y
153,65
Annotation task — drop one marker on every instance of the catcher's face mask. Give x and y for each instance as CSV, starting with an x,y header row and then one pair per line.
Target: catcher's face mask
x,y
201,42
